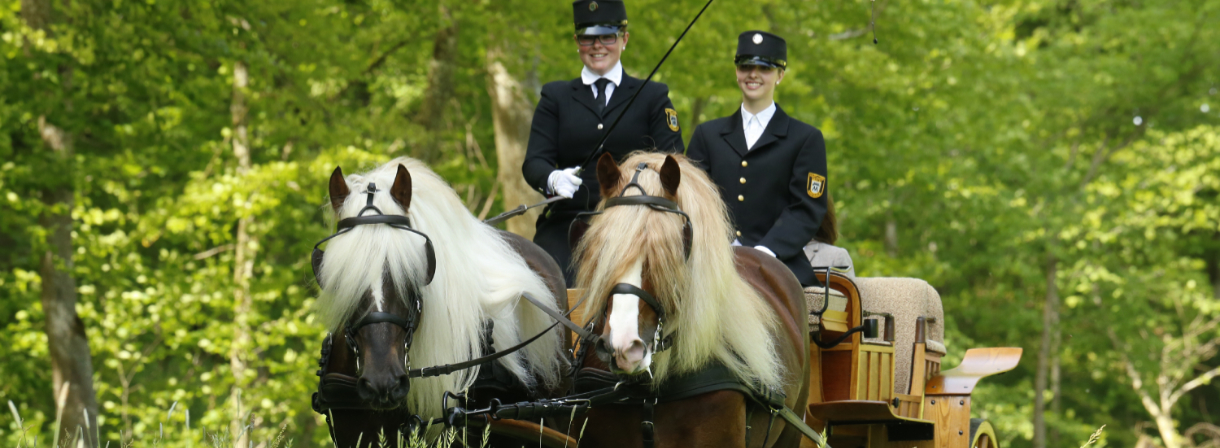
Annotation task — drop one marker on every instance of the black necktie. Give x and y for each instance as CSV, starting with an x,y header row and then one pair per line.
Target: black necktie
x,y
600,101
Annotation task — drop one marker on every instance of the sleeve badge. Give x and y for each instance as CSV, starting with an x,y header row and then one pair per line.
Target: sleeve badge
x,y
815,186
671,119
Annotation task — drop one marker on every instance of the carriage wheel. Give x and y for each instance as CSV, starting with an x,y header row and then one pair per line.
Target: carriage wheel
x,y
982,435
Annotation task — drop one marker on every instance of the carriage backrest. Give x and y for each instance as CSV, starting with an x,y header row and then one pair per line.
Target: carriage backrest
x,y
907,299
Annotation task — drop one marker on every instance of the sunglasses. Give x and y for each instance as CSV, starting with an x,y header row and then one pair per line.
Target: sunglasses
x,y
605,39
750,67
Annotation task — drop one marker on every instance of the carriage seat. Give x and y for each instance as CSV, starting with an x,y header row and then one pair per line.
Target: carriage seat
x,y
814,297
906,299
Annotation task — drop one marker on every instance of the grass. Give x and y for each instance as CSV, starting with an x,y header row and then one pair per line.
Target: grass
x,y
1093,438
221,439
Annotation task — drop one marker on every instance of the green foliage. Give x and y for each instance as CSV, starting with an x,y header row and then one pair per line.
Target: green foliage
x,y
990,136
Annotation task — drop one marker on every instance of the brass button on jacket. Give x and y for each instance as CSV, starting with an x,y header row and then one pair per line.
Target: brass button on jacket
x,y
785,207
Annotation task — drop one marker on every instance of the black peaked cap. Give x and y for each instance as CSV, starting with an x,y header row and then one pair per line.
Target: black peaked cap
x,y
597,17
761,48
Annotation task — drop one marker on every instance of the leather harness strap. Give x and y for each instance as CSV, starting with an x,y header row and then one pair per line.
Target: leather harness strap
x,y
630,289
584,334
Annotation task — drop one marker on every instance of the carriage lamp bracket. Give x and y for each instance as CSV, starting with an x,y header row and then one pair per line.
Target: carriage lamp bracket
x,y
825,296
869,327
888,332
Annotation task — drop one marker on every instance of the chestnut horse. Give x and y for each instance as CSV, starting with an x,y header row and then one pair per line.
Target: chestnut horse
x,y
734,309
428,290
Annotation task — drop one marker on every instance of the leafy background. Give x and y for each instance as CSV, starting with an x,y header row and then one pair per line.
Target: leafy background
x,y
1050,166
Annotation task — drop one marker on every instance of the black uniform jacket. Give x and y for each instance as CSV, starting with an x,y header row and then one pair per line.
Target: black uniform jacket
x,y
768,189
566,130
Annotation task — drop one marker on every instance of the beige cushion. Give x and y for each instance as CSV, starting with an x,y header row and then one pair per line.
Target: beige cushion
x,y
906,299
814,295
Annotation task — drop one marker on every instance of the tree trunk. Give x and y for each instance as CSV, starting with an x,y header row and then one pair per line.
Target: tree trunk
x,y
1213,265
1164,425
441,70
243,263
67,343
512,113
696,111
891,234
71,361
1050,318
1052,437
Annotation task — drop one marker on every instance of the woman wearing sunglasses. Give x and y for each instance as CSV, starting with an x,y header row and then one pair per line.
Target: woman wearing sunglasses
x,y
573,116
771,168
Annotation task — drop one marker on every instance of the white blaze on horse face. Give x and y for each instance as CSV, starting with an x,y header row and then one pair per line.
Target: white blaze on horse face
x,y
624,321
378,297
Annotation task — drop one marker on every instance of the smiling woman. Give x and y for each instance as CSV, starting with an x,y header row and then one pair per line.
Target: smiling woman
x,y
573,116
771,168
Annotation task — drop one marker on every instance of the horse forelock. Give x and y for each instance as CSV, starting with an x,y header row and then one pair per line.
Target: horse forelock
x,y
714,313
478,278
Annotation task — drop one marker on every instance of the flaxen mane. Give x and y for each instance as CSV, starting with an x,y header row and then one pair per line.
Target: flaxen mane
x,y
714,312
478,277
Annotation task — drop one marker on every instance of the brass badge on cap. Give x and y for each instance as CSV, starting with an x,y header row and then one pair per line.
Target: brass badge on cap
x,y
593,6
671,118
817,185
757,39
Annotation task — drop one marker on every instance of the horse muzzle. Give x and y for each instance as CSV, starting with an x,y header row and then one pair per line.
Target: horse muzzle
x,y
383,391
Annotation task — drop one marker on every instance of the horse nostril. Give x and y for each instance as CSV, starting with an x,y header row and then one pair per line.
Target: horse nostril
x,y
402,388
365,387
630,358
602,349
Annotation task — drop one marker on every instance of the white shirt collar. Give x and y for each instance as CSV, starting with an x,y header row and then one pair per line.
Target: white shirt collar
x,y
764,117
615,75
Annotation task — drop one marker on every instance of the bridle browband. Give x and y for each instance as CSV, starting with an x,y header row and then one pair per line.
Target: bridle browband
x,y
395,221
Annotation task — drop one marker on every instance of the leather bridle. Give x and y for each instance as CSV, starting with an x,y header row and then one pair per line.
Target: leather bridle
x,y
660,341
411,322
657,203
395,221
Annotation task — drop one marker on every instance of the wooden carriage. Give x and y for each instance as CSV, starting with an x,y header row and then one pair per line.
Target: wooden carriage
x,y
890,391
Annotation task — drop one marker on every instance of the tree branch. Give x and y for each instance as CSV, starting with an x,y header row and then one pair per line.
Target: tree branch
x,y
1195,383
381,59
1137,383
213,251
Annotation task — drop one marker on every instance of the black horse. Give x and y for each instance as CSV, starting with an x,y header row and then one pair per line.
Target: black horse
x,y
414,290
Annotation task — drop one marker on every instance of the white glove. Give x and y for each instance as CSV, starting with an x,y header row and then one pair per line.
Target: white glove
x,y
766,251
564,183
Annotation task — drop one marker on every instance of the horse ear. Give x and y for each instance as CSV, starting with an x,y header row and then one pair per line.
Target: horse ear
x,y
401,191
608,174
338,189
671,175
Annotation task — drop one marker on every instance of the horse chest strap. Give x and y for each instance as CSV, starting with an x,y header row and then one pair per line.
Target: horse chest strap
x,y
647,427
